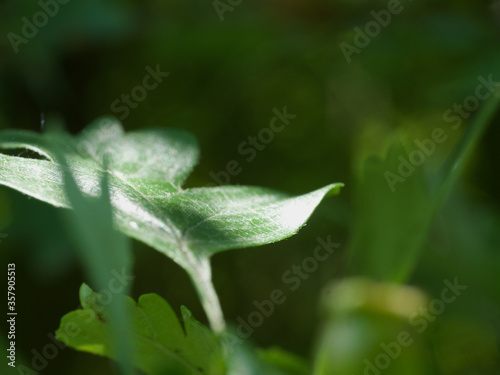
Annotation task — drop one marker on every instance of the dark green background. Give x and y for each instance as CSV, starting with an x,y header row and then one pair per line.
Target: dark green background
x,y
225,79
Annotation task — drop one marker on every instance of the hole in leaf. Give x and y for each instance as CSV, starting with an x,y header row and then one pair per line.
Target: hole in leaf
x,y
23,153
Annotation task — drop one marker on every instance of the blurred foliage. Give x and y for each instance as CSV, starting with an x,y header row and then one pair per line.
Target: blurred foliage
x,y
225,79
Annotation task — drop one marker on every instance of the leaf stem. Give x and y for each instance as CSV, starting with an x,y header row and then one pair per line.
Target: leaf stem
x,y
201,275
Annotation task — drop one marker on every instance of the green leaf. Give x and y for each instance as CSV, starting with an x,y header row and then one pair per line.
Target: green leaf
x,y
162,344
395,207
145,173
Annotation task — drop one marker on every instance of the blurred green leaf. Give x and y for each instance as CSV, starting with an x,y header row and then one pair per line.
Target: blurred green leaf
x,y
104,250
248,360
392,215
370,328
395,207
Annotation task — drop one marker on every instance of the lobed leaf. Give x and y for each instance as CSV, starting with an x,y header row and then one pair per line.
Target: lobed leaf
x,y
162,345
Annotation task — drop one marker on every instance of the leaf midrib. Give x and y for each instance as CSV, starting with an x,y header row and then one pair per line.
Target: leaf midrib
x,y
151,207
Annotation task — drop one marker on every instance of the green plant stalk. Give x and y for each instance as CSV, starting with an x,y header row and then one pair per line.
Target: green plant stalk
x,y
97,263
452,168
455,163
443,183
201,276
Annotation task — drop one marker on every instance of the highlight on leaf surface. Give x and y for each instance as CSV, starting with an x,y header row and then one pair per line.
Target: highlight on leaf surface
x,y
146,170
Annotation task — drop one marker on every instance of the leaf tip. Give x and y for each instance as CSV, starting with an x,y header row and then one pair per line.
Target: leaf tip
x,y
85,292
335,188
186,314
